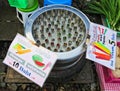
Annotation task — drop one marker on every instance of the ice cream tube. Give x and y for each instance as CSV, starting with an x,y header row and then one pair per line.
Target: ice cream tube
x,y
23,51
102,56
101,47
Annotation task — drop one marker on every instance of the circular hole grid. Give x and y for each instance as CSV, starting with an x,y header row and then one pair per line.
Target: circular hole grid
x,y
59,30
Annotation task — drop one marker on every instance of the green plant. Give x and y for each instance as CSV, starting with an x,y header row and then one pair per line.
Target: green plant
x,y
109,8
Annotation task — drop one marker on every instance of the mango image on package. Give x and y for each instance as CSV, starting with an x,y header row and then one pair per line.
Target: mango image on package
x,y
21,49
38,60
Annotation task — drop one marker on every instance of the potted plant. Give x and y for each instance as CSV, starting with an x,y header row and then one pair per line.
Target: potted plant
x,y
110,9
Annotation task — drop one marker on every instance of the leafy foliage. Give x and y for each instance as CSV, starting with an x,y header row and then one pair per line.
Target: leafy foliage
x,y
109,8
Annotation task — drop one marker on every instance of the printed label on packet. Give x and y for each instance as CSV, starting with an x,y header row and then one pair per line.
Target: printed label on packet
x,y
31,61
102,45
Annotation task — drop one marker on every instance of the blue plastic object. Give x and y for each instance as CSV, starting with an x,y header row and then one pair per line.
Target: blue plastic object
x,y
65,2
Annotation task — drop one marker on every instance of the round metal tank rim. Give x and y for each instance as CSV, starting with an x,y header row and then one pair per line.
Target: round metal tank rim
x,y
61,55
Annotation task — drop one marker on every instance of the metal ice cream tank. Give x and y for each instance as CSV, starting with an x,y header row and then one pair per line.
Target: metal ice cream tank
x,y
59,28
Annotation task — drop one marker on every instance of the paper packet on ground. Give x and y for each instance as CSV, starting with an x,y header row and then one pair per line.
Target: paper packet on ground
x,y
31,61
102,45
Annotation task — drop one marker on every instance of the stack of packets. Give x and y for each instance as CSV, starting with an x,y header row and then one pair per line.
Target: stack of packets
x,y
35,63
102,49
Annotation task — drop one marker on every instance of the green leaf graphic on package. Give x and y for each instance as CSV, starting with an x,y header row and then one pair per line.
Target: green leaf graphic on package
x,y
38,60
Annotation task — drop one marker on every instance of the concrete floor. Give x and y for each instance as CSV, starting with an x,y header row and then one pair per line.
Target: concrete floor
x,y
9,24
